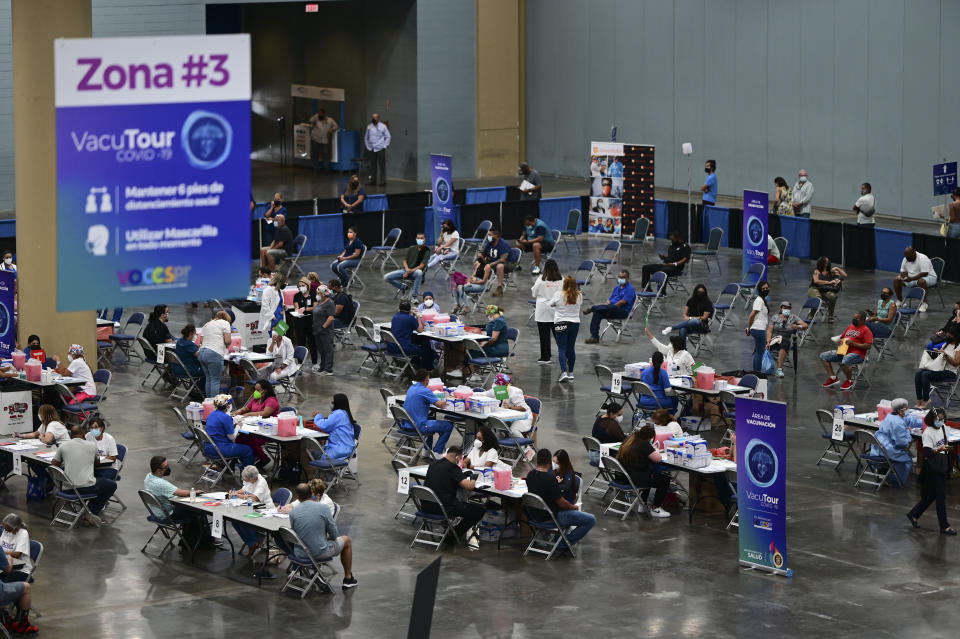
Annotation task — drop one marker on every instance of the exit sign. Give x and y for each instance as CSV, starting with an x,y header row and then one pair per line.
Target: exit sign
x,y
312,8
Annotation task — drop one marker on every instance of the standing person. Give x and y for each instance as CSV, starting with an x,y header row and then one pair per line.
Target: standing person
x,y
348,260
857,339
543,482
566,324
618,306
757,323
217,336
935,471
802,195
78,457
543,291
866,205
782,198
672,263
536,237
531,177
281,246
322,128
271,303
414,267
448,246
322,324
303,304
709,187
916,269
353,195
277,207
377,139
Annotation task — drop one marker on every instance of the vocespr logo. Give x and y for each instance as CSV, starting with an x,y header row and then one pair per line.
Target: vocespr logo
x,y
206,138
161,276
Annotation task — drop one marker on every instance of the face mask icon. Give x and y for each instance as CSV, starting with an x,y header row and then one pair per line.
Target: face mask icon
x,y
98,236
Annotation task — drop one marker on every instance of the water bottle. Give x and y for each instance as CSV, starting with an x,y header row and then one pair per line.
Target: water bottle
x,y
193,495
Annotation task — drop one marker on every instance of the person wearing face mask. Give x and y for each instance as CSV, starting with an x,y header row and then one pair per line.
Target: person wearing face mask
x,y
496,329
448,246
639,458
220,428
866,205
896,438
696,314
275,208
709,187
156,330
186,351
303,304
881,320
495,255
618,306
675,353
348,260
15,542
322,326
376,139
342,304
8,264
106,448
951,326
532,186
757,324
566,477
285,362
857,339
51,430
428,303
281,247
404,325
659,382
516,401
802,195
916,269
783,325
825,283
340,425
33,346
414,267
542,481
948,355
484,453
672,263
271,306
615,169
536,238
608,428
353,195
544,289
77,367
935,471
195,533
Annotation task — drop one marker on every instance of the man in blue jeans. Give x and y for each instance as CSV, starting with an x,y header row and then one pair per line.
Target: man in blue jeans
x,y
417,404
543,483
618,306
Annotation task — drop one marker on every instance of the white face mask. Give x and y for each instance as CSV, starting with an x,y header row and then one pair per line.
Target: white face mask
x,y
428,303
303,289
619,418
477,443
802,178
556,466
8,261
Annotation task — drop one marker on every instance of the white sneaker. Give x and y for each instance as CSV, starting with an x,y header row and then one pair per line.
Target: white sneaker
x,y
563,377
455,373
666,331
923,308
569,377
535,271
473,542
543,361
659,512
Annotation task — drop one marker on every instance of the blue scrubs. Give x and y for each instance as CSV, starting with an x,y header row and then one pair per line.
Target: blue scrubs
x,y
895,439
220,426
659,385
417,404
340,429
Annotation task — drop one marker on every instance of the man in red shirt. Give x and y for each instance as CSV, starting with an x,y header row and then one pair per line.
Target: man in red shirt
x,y
858,340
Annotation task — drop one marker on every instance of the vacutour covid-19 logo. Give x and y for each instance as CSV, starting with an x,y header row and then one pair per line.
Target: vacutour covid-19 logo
x,y
761,463
755,231
206,138
443,191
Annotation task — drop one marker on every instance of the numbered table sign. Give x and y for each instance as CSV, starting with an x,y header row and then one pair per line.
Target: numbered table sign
x,y
391,401
17,464
837,433
616,384
376,333
216,528
403,481
161,354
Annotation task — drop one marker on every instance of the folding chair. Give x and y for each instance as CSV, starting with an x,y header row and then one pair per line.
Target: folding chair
x,y
337,469
395,427
194,446
605,379
781,243
36,552
484,367
874,469
584,273
620,487
508,276
640,229
910,308
165,524
220,465
80,412
186,385
837,450
449,266
476,297
512,448
126,338
573,227
881,343
434,528
546,532
411,443
477,241
355,274
946,392
397,363
555,234
593,453
342,335
376,352
608,257
288,384
306,572
754,276
644,390
150,357
105,350
811,312
618,325
712,249
69,505
938,265
118,465
724,306
384,252
649,296
298,243
401,513
513,339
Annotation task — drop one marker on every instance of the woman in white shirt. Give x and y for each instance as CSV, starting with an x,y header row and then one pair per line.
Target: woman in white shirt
x,y
924,378
447,247
674,353
106,448
255,489
271,303
484,452
566,324
515,401
15,542
285,364
757,324
77,367
544,290
216,338
319,490
51,431
773,251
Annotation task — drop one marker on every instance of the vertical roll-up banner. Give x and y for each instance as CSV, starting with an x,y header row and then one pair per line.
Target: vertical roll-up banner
x,y
755,228
762,484
442,179
8,338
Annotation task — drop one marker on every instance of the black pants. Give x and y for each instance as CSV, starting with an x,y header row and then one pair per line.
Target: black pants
x,y
378,166
650,269
933,490
546,334
325,346
658,482
304,335
471,515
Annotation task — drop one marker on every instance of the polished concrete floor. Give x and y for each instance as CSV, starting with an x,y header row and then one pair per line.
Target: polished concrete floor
x,y
859,568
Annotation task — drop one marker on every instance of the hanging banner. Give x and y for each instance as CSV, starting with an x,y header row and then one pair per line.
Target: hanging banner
x,y
755,225
301,141
16,411
762,484
8,335
153,169
441,177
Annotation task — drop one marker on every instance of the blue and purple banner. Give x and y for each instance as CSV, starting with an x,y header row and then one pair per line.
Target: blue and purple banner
x,y
153,170
762,483
8,284
755,228
441,176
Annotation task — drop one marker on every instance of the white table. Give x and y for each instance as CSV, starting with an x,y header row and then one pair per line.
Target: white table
x,y
518,487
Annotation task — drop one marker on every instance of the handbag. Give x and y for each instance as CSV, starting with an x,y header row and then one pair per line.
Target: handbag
x,y
938,463
768,365
932,362
943,229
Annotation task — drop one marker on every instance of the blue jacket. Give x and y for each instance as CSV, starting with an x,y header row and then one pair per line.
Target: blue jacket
x,y
658,384
340,429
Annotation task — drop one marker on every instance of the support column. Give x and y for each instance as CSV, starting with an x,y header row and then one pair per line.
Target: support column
x,y
36,23
500,96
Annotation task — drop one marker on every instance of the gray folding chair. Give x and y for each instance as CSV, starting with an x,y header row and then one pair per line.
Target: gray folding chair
x,y
150,358
186,385
384,252
376,352
411,443
640,237
171,530
619,326
781,243
342,335
397,363
910,309
449,266
837,450
335,469
402,512
194,445
593,453
874,469
435,524
306,572
624,496
724,308
298,243
608,257
547,533
712,249
220,465
938,265
355,273
69,504
573,227
605,379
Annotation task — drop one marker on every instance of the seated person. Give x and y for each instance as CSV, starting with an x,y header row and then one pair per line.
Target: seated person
x,y
882,320
343,309
314,525
952,325
537,238
414,266
515,401
77,367
495,256
256,489
348,260
78,457
675,353
639,459
659,382
16,592
924,378
341,426
858,339
156,330
448,246
107,453
51,430
696,314
417,403
15,542
484,453
607,428
672,263
566,477
665,419
445,478
825,283
221,430
773,251
498,345
186,350
428,303
783,325
35,351
896,438
317,488
263,403
284,362
543,482
404,325
475,284
282,245
916,269
195,532
618,306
